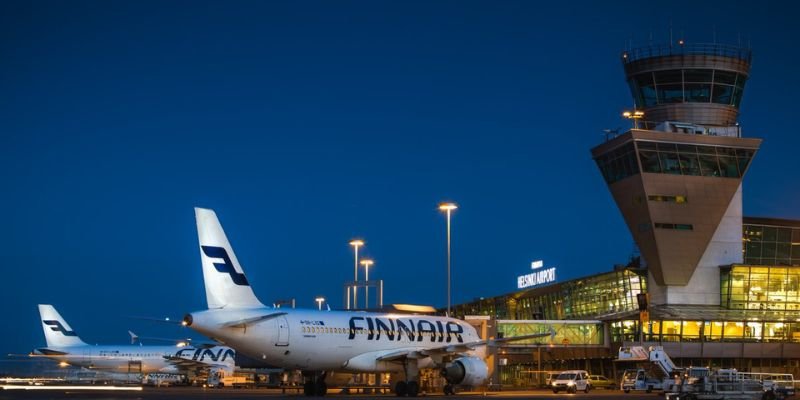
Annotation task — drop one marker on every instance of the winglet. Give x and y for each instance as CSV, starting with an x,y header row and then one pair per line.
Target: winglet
x,y
134,338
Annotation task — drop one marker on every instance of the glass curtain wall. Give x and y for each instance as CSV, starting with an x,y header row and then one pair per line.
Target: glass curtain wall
x,y
771,245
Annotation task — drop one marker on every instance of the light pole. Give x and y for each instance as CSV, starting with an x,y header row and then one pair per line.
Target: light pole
x,y
366,263
448,208
356,243
634,116
319,301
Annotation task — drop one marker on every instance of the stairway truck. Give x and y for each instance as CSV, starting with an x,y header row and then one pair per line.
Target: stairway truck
x,y
638,379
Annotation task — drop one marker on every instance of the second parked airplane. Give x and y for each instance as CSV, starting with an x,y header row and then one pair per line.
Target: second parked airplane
x,y
64,345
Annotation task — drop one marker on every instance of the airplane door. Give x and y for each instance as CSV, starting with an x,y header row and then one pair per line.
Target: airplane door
x,y
134,367
283,331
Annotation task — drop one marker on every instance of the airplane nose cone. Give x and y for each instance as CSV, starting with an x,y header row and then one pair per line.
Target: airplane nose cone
x,y
187,320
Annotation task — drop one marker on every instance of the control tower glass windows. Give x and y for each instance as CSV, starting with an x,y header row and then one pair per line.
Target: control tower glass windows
x,y
695,160
738,90
687,85
618,164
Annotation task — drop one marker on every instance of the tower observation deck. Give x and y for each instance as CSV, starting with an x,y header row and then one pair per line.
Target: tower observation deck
x,y
676,176
697,83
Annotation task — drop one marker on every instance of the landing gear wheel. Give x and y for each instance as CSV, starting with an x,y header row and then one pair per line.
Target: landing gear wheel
x,y
412,388
401,388
308,388
322,388
449,389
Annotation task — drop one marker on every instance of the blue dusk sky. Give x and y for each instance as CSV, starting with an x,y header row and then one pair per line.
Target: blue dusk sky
x,y
305,124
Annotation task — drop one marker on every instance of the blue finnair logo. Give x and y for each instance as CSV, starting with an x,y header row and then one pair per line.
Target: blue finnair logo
x,y
227,266
57,327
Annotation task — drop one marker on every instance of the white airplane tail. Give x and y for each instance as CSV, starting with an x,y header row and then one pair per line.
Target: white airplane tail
x,y
226,285
57,332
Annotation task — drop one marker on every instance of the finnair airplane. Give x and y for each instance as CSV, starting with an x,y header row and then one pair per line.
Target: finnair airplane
x,y
318,341
64,345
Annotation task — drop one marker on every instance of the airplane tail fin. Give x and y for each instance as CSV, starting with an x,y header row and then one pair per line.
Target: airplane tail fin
x,y
57,332
226,285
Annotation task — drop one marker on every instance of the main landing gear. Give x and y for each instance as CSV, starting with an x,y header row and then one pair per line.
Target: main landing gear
x,y
449,389
314,384
409,387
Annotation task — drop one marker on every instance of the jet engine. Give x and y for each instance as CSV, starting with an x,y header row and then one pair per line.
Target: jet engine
x,y
470,371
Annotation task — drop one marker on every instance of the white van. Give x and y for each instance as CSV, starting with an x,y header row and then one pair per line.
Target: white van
x,y
572,381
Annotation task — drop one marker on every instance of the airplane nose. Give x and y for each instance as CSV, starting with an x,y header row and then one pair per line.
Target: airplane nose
x,y
187,320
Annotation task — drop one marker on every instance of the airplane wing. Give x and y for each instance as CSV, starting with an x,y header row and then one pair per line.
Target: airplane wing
x,y
180,342
191,365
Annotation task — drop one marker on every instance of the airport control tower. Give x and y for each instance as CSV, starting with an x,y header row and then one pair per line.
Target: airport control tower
x,y
676,176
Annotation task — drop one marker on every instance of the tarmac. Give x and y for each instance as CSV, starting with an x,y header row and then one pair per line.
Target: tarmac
x,y
178,393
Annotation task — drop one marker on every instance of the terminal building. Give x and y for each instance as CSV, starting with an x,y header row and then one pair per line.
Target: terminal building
x,y
716,288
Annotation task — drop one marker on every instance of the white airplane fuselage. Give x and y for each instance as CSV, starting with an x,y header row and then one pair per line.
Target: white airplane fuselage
x,y
127,358
333,340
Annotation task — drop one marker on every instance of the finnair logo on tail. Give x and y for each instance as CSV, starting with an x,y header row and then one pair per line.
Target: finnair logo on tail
x,y
227,266
57,327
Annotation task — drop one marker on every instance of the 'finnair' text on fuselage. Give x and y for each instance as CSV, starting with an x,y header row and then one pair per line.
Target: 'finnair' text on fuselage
x,y
394,329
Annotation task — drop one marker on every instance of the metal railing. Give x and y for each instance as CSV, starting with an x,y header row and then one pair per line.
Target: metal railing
x,y
703,49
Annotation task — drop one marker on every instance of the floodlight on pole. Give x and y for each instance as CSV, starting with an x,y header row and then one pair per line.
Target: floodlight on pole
x,y
356,243
634,116
448,208
366,263
319,301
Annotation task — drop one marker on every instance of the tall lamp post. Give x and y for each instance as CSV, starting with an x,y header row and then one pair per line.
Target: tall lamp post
x,y
448,208
356,243
366,263
319,301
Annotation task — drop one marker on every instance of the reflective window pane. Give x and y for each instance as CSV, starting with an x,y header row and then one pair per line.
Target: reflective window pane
x,y
690,165
697,75
708,165
648,94
649,160
671,93
727,167
723,94
669,163
670,76
726,77
698,92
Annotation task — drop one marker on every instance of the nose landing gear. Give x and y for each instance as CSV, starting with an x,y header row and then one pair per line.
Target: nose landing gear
x,y
315,384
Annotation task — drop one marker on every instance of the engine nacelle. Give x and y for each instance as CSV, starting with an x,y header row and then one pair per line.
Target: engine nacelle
x,y
471,371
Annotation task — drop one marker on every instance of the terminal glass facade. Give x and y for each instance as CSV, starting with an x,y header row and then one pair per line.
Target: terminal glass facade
x,y
573,333
756,287
766,243
584,298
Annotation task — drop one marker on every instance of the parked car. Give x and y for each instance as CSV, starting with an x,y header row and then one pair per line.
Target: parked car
x,y
600,381
550,377
572,381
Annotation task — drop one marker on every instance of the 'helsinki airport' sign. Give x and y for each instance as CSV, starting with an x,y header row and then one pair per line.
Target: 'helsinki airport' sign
x,y
539,276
